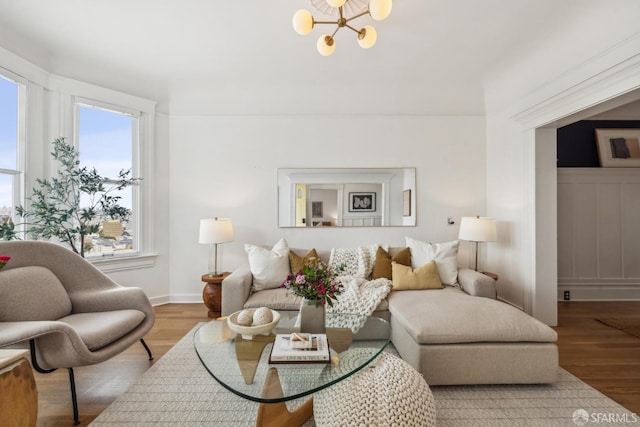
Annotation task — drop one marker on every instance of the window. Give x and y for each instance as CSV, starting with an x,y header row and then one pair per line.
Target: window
x,y
11,142
108,141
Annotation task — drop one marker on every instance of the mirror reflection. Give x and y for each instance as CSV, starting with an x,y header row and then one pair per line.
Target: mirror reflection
x,y
346,197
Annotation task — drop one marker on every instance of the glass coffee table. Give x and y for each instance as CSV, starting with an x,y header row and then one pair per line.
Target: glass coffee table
x,y
242,366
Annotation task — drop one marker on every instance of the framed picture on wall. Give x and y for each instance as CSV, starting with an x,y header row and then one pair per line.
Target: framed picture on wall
x,y
618,148
316,209
362,202
406,203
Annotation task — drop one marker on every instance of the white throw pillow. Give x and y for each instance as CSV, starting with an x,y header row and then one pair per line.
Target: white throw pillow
x,y
269,267
444,254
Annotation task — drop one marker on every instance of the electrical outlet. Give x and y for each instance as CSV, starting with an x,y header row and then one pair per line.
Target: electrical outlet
x,y
567,295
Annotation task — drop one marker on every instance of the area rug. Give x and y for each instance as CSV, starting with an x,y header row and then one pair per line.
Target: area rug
x,y
629,324
178,391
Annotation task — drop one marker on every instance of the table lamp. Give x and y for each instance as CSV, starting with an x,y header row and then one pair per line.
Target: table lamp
x,y
477,229
215,231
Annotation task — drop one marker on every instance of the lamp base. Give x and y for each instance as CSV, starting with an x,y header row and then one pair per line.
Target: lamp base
x,y
214,274
475,266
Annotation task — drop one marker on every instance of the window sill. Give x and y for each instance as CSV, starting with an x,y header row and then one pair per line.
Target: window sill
x,y
123,263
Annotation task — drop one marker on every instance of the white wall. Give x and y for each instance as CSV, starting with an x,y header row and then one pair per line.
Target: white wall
x,y
506,201
226,166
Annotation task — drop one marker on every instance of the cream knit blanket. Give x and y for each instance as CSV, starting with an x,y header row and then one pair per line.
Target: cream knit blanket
x,y
359,297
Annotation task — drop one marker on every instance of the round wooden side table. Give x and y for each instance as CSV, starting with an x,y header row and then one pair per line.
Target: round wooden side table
x,y
212,293
19,402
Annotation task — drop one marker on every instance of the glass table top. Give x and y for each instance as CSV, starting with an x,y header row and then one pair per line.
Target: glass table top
x,y
242,366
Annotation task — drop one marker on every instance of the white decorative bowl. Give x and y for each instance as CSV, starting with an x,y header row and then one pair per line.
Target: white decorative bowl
x,y
248,332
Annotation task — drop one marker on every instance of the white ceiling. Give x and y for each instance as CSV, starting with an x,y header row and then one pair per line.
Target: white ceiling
x,y
243,57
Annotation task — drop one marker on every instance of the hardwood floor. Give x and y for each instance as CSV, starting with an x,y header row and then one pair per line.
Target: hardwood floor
x,y
603,357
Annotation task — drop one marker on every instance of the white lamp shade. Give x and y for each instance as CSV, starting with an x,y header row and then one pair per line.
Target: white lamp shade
x,y
326,45
336,3
216,230
478,229
302,22
367,37
380,9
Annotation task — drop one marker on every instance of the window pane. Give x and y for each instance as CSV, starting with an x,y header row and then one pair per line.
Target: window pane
x,y
106,143
8,124
6,196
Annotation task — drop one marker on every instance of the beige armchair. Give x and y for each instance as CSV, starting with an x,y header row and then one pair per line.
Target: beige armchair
x,y
67,311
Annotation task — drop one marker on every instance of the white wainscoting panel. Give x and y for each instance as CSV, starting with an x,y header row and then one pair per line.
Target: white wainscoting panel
x,y
362,221
599,233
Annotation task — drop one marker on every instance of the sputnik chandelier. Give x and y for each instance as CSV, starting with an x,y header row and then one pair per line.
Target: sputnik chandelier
x,y
303,21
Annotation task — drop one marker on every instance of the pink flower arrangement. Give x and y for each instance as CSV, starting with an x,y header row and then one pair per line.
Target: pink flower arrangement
x,y
4,260
314,282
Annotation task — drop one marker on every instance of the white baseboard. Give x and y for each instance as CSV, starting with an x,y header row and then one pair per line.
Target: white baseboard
x,y
165,299
176,299
185,298
599,290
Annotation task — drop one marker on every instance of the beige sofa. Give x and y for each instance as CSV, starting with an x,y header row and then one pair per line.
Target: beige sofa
x,y
455,335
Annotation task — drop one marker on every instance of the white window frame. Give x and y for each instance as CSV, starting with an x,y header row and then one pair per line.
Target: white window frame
x,y
142,214
135,219
18,173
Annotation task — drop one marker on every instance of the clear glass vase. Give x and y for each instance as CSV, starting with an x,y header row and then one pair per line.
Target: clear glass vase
x,y
312,316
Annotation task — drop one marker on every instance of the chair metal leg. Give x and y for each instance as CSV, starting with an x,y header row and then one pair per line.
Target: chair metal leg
x,y
146,347
74,397
72,381
34,360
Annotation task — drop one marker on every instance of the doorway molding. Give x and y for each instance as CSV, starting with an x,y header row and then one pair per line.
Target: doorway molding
x,y
608,81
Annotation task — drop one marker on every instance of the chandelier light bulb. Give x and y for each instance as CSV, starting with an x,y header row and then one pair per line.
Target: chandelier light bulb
x,y
367,37
380,9
302,22
326,45
336,3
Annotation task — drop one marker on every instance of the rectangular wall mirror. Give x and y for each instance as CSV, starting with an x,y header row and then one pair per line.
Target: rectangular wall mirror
x,y
346,197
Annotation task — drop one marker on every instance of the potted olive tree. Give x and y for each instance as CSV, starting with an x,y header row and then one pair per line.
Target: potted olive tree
x,y
73,204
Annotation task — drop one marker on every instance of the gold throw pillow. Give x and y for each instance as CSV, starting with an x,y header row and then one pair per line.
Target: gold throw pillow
x,y
297,262
423,277
382,266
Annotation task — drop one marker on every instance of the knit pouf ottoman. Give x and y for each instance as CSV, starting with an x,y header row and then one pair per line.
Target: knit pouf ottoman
x,y
387,392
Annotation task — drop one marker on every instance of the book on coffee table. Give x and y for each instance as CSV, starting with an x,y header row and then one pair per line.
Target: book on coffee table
x,y
300,348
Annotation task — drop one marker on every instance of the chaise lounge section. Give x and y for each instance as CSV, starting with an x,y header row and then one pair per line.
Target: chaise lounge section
x,y
452,337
